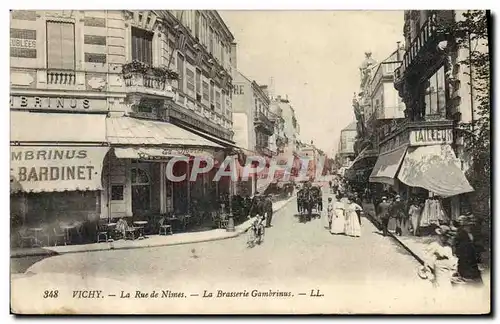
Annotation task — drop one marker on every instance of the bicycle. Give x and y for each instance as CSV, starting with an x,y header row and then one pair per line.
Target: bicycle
x,y
256,232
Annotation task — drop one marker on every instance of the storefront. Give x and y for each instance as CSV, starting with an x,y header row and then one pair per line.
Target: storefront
x,y
56,169
421,163
139,179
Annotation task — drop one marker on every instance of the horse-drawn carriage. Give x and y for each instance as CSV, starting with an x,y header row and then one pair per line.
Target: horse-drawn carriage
x,y
309,199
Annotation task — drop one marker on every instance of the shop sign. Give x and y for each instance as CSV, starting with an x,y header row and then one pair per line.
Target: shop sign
x,y
431,137
395,142
167,153
57,103
55,168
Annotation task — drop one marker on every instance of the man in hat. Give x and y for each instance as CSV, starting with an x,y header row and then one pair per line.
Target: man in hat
x,y
466,251
268,209
398,212
383,213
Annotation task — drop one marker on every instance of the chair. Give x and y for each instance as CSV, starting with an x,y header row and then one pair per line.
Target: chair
x,y
130,232
165,229
25,237
45,235
58,236
102,231
223,221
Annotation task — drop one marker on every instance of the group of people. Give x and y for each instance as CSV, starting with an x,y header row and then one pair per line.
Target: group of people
x,y
453,259
344,215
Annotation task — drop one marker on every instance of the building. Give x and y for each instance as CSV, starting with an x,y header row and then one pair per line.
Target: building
x,y
252,125
291,130
345,150
438,96
102,100
377,106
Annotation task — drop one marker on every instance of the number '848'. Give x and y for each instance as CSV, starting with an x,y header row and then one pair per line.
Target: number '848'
x,y
51,294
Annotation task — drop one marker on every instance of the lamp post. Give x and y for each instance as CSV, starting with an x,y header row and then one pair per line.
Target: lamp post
x,y
230,219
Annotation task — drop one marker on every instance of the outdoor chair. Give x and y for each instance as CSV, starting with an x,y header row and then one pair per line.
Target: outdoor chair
x,y
44,236
102,232
223,221
58,236
165,229
130,232
24,237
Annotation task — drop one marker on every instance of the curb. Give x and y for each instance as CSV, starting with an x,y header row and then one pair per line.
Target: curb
x,y
376,223
239,230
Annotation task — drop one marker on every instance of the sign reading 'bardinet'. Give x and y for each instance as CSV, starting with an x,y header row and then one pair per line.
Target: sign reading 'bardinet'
x,y
57,168
57,103
431,137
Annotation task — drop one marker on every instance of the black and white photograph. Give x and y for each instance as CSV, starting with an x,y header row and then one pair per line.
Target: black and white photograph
x,y
265,162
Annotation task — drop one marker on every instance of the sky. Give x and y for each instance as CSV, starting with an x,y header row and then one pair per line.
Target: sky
x,y
314,58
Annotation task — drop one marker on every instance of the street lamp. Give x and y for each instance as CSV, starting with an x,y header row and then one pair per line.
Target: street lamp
x,y
230,219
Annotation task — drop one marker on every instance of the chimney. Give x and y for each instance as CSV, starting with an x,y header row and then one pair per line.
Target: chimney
x,y
398,52
271,88
234,57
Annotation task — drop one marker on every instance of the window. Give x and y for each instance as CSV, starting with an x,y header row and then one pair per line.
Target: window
x,y
223,99
211,41
212,93
206,93
198,84
217,100
435,94
180,71
222,57
190,82
197,25
60,45
116,192
142,45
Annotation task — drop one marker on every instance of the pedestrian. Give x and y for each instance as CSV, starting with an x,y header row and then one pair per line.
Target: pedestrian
x,y
338,219
383,214
440,258
329,212
465,251
352,225
359,202
398,212
268,210
415,213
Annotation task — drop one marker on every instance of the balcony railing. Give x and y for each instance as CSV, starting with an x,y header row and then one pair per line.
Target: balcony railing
x,y
427,33
67,78
263,122
146,83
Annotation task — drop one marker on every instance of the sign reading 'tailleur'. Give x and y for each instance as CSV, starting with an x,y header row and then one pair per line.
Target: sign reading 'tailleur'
x,y
431,137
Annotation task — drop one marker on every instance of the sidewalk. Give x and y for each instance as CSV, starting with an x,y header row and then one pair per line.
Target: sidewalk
x,y
151,241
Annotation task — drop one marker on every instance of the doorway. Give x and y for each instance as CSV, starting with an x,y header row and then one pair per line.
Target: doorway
x,y
141,192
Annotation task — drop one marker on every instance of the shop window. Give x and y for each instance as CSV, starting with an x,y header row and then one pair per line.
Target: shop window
x,y
117,192
141,191
60,45
435,93
142,45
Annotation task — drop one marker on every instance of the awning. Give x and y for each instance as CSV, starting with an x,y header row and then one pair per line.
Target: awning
x,y
56,168
435,168
133,131
210,137
365,153
34,127
387,166
146,153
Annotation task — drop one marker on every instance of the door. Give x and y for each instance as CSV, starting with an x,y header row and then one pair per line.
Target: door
x,y
141,192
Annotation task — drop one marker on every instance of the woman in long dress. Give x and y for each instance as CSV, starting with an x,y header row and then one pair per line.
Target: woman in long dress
x,y
338,217
440,258
352,225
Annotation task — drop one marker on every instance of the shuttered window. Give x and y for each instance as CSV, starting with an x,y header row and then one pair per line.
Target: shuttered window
x,y
190,82
180,71
142,45
206,96
60,45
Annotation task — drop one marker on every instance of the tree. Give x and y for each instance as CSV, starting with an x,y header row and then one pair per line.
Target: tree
x,y
471,34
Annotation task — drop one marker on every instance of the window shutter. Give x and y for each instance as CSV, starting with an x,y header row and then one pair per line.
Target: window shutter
x,y
68,46
54,45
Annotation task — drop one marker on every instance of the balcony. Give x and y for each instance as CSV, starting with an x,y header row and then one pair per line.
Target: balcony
x,y
264,150
423,42
61,77
137,82
264,124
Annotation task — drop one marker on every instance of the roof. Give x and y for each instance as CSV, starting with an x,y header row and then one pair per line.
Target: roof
x,y
351,126
133,131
